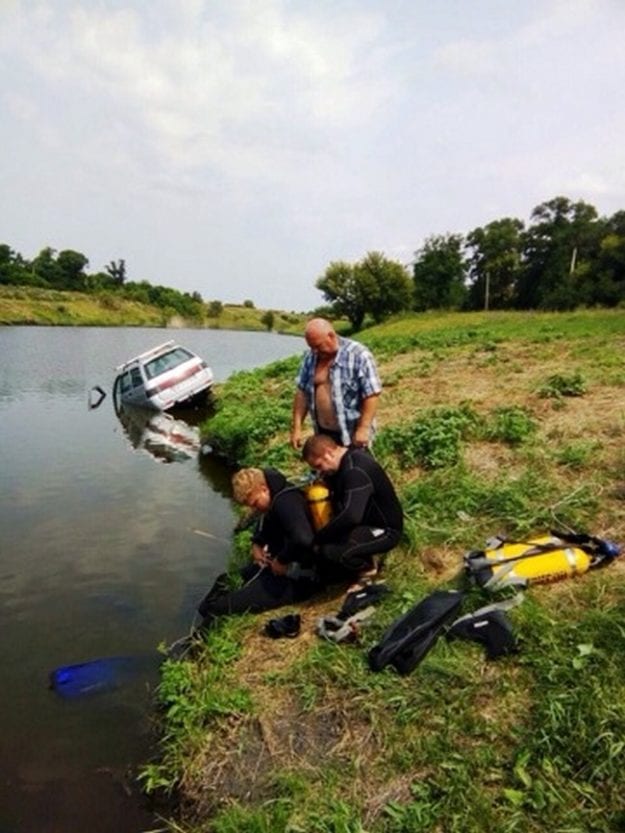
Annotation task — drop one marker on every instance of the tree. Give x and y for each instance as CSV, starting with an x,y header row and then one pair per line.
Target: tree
x,y
267,318
71,267
374,286
13,268
384,284
605,283
340,287
139,291
494,263
117,270
45,269
439,273
215,309
558,245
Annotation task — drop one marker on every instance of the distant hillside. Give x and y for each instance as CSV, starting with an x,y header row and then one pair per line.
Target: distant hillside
x,y
50,307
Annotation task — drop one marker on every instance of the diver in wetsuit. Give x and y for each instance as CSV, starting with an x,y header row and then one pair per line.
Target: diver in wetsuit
x,y
367,516
281,571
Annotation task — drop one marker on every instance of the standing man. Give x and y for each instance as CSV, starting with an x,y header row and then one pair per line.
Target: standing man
x,y
338,385
367,517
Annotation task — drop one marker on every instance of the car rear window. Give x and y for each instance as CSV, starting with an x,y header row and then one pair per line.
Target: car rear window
x,y
168,361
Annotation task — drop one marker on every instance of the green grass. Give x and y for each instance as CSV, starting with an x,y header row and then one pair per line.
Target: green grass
x,y
303,736
488,330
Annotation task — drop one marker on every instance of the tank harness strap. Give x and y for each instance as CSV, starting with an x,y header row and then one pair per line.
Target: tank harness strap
x,y
535,549
506,604
497,578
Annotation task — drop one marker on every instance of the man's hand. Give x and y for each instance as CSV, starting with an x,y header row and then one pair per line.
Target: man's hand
x,y
368,408
296,438
260,555
300,409
277,568
361,437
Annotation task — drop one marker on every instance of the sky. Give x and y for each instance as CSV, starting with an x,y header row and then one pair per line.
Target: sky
x,y
237,148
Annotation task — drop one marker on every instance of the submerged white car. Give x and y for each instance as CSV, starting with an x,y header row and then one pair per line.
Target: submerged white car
x,y
165,377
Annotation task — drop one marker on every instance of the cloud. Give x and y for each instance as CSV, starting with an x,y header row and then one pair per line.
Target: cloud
x,y
228,90
20,106
205,141
469,57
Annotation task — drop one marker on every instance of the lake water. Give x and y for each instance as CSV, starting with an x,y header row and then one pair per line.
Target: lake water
x,y
112,527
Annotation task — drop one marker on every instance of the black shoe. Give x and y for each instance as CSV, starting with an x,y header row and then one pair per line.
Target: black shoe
x,y
289,626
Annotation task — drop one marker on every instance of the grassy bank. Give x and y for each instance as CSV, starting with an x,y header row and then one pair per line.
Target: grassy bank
x,y
489,423
48,307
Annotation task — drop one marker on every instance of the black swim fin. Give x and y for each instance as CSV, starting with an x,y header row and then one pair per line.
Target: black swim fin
x,y
411,637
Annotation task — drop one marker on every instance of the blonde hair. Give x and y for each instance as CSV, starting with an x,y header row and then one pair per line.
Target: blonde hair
x,y
245,482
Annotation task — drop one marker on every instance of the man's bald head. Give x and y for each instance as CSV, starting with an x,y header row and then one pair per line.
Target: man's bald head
x,y
321,337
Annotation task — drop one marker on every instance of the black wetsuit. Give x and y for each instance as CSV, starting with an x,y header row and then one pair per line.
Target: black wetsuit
x,y
286,530
367,516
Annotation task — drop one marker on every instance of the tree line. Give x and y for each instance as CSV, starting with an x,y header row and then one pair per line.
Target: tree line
x,y
67,271
567,256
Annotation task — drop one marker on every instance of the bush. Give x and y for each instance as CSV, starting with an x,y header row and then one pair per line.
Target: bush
x,y
512,425
561,384
252,408
433,440
240,435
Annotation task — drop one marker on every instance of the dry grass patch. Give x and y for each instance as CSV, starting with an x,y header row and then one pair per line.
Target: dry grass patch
x,y
440,563
512,376
489,459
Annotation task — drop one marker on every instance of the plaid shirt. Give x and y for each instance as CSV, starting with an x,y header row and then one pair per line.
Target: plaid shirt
x,y
353,377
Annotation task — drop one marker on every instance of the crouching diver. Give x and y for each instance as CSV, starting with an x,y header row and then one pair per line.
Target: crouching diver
x,y
281,571
367,518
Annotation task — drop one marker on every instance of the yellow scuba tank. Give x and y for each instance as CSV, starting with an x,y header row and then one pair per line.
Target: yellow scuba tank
x,y
318,497
540,559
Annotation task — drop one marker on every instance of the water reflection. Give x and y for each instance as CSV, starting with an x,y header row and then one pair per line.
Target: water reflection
x,y
167,438
174,439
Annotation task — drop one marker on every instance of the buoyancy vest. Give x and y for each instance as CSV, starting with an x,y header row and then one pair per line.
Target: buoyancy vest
x,y
539,559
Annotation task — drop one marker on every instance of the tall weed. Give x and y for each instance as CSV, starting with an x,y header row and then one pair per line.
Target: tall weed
x,y
511,424
563,384
433,440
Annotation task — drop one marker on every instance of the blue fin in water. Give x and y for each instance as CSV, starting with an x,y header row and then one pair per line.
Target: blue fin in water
x,y
95,676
